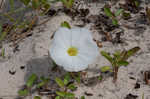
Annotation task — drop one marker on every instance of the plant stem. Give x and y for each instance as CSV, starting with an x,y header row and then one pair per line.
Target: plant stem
x,y
115,70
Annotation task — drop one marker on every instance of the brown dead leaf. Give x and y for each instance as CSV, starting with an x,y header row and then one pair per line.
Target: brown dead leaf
x,y
99,44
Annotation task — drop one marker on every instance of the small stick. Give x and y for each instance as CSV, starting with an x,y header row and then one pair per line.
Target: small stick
x,y
1,4
146,77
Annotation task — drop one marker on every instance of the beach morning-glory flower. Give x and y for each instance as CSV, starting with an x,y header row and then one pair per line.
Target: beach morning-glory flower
x,y
73,49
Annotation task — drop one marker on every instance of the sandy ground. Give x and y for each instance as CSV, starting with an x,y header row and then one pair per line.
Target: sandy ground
x,y
33,55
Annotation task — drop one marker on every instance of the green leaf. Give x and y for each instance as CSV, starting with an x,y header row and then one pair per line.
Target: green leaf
x,y
66,78
82,97
117,55
105,69
143,96
11,4
23,92
65,24
100,77
115,22
107,56
37,97
61,93
69,95
31,80
126,15
59,82
3,35
57,97
43,82
72,87
35,4
123,63
119,12
108,12
25,2
70,3
137,3
65,94
129,53
77,77
67,3
3,52
1,28
47,7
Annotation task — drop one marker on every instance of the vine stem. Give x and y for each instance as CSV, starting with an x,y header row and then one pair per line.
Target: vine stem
x,y
115,75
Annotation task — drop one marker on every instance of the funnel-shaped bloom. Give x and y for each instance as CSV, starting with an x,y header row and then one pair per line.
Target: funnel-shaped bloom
x,y
73,49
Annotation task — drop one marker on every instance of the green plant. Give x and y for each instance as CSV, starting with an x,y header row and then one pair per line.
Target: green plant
x,y
126,15
31,82
65,86
68,3
18,25
113,16
3,52
117,60
143,96
37,97
65,24
37,4
82,97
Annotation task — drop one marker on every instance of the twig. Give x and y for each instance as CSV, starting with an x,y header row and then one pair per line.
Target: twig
x,y
1,4
146,77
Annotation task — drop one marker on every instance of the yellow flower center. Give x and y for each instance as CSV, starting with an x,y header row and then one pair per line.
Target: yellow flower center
x,y
72,51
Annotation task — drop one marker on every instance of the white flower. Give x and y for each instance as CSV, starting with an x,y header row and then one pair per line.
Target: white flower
x,y
73,49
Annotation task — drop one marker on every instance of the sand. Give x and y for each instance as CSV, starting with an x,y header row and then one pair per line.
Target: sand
x,y
33,55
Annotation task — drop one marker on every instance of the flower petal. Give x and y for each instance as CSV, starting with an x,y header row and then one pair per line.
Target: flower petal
x,y
81,39
59,55
80,36
76,65
62,37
